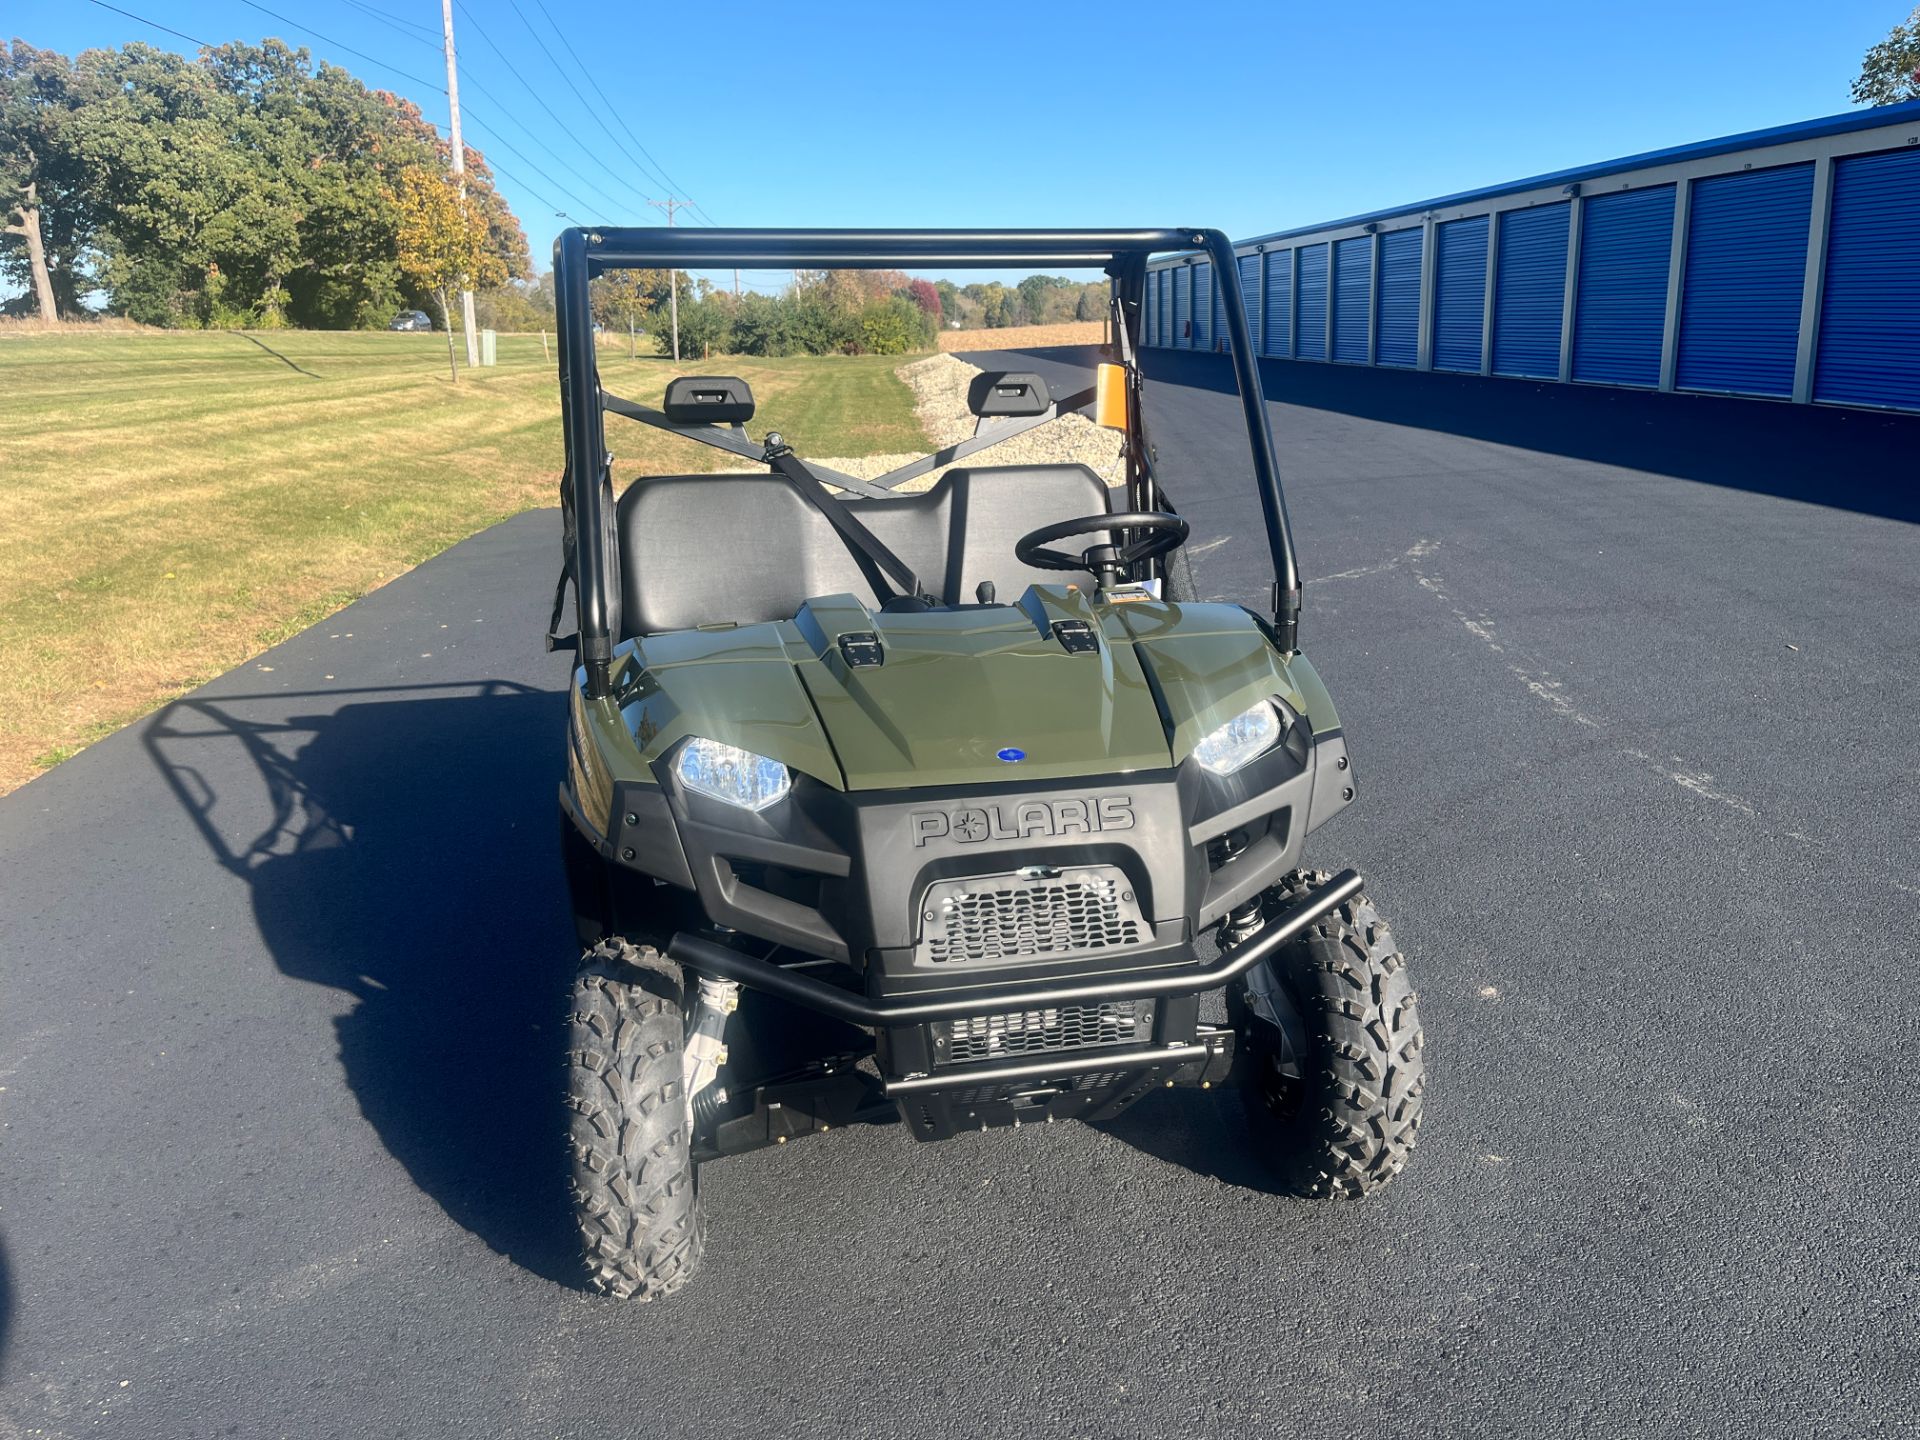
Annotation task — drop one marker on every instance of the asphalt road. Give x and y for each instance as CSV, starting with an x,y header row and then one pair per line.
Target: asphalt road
x,y
1637,743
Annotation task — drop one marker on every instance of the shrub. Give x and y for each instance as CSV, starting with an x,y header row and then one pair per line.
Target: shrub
x,y
895,326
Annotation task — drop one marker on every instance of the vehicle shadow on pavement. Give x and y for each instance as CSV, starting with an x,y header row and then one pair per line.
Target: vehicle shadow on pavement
x,y
1199,1130
402,861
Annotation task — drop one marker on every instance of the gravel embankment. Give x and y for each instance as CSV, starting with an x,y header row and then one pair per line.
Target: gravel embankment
x,y
939,384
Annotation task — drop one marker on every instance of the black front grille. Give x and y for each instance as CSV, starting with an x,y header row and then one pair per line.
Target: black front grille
x,y
1018,917
1040,1032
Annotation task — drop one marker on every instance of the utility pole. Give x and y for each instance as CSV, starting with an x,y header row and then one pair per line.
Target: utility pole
x,y
459,169
670,205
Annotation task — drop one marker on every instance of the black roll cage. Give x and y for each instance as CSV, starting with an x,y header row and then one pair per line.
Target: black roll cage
x,y
580,254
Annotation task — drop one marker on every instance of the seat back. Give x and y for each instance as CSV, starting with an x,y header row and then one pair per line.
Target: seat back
x,y
696,549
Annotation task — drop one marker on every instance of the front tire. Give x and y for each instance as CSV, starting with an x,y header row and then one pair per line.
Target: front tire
x,y
635,1197
1342,1109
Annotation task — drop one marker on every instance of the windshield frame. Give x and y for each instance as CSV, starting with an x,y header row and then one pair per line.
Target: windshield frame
x,y
579,254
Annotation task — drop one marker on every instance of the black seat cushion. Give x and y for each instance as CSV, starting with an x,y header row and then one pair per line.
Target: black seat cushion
x,y
696,549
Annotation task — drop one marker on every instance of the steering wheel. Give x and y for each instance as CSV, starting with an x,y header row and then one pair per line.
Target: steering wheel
x,y
1163,532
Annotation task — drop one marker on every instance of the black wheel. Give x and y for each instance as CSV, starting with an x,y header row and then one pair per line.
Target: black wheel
x,y
634,1190
1340,1098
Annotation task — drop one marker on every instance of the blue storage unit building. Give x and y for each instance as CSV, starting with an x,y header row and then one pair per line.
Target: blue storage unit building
x,y
1250,297
1353,299
1310,304
1460,293
1870,307
1746,261
1203,306
1781,263
1276,324
1397,329
1530,291
1619,318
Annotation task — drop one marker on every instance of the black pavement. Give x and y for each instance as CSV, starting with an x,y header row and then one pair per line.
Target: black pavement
x,y
1630,683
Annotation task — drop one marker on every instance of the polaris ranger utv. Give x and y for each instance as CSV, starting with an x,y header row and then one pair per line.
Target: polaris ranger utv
x,y
941,808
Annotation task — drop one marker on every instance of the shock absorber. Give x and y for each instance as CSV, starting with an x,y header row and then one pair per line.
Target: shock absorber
x,y
705,1050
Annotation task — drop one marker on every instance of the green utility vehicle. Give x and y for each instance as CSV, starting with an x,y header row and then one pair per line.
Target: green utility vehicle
x,y
945,808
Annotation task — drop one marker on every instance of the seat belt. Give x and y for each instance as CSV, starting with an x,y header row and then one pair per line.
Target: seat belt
x,y
891,577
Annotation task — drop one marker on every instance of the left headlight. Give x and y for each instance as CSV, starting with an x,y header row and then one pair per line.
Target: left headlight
x,y
726,772
1243,739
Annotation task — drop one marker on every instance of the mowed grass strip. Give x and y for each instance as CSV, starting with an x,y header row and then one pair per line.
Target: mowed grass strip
x,y
171,504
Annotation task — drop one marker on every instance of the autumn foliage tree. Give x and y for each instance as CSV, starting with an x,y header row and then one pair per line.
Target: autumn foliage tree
x,y
1890,72
624,298
443,241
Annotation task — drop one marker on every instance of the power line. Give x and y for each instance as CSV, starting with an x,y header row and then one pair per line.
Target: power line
x,y
492,165
619,118
560,70
593,211
329,40
438,90
671,184
527,130
538,98
156,25
412,28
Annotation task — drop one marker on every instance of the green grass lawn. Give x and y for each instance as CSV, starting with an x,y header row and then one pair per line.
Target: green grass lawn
x,y
171,503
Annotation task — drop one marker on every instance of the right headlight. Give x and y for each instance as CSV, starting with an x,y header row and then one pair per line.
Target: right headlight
x,y
1243,739
726,772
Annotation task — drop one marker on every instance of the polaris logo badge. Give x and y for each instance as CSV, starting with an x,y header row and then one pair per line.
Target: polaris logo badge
x,y
1023,820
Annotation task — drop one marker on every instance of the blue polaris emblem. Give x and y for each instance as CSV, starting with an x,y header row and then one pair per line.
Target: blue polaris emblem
x,y
1010,755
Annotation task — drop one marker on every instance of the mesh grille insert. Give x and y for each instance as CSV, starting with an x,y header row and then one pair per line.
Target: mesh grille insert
x,y
1039,1032
1019,917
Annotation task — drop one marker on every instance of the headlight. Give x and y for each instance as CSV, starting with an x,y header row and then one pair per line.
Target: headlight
x,y
727,773
1246,737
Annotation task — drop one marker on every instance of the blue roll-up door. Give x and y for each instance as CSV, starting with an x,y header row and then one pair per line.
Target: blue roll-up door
x,y
1352,295
1182,307
1276,330
1150,321
1530,291
1620,312
1870,311
1459,293
1221,341
1746,267
1203,306
1397,337
1250,296
1167,278
1310,343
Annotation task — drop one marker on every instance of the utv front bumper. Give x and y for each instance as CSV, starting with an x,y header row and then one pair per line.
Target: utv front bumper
x,y
1054,1051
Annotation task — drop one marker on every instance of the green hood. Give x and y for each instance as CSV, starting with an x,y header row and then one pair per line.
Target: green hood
x,y
958,687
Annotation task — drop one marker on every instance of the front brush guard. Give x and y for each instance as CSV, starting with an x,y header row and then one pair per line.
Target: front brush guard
x,y
706,957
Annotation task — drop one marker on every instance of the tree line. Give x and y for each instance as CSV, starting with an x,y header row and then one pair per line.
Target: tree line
x,y
250,187
246,186
824,312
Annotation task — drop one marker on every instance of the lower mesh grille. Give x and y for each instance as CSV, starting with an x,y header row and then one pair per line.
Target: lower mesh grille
x,y
1039,1032
1017,917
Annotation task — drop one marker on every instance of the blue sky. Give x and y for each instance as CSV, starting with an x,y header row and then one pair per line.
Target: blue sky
x,y
907,114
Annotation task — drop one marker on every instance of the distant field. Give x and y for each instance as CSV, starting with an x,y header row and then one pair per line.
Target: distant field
x,y
1025,337
172,503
